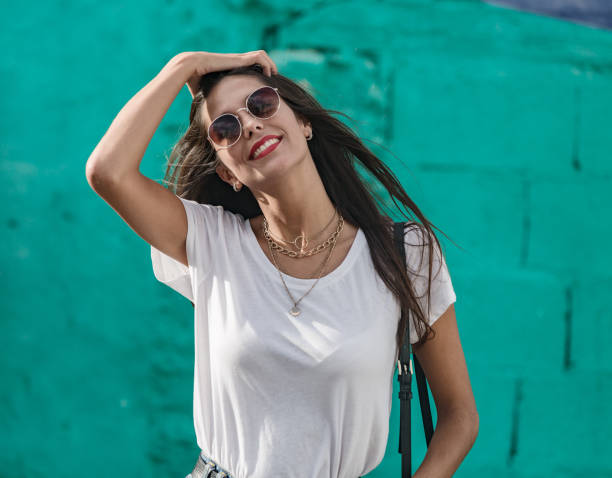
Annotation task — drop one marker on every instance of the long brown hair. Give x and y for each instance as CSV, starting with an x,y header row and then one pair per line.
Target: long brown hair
x,y
191,174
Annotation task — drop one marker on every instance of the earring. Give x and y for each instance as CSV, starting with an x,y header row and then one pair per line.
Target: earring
x,y
234,186
309,137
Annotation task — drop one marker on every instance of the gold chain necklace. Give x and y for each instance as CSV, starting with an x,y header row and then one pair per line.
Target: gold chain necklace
x,y
304,241
295,311
311,252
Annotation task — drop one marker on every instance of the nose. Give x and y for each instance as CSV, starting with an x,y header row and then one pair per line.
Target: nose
x,y
249,122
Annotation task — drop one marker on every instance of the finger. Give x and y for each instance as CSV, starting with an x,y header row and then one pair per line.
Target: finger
x,y
261,61
273,68
266,62
267,68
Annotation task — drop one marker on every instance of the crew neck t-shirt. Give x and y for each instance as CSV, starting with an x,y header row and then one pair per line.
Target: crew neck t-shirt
x,y
305,396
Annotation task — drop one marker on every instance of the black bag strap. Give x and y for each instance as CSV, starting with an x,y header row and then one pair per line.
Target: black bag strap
x,y
404,376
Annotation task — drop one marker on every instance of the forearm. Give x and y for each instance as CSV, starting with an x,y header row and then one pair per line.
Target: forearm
x,y
453,438
122,147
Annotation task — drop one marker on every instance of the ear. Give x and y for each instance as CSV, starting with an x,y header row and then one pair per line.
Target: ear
x,y
225,174
306,125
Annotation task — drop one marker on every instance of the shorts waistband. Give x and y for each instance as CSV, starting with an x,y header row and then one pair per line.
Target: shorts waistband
x,y
206,467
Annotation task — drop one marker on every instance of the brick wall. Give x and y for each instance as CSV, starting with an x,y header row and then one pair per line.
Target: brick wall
x,y
500,121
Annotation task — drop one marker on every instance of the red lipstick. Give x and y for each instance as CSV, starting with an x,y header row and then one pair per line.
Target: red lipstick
x,y
269,149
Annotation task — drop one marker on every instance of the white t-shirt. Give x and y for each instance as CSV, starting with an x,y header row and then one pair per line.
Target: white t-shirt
x,y
278,395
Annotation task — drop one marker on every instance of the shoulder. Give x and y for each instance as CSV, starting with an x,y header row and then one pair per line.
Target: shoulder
x,y
415,234
210,217
420,245
191,205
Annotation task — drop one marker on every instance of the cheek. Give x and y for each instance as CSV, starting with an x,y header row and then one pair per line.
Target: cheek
x,y
233,160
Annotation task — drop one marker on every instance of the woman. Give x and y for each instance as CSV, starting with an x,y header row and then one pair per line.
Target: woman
x,y
297,287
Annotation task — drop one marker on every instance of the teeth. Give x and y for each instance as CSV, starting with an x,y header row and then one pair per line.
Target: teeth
x,y
264,146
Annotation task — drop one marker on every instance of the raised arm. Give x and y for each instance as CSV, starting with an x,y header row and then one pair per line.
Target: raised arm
x,y
112,170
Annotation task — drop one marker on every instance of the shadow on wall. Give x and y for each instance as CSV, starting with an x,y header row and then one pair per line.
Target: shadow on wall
x,y
595,13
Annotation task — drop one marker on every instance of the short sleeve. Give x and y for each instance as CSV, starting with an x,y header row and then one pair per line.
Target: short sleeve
x,y
442,291
201,220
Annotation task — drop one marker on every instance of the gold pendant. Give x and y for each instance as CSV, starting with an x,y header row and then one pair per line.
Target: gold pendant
x,y
295,311
303,243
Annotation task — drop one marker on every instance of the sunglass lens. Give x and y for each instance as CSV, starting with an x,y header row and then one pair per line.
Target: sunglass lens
x,y
225,130
264,102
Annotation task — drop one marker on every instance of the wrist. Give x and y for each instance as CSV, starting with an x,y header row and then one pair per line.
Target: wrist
x,y
180,65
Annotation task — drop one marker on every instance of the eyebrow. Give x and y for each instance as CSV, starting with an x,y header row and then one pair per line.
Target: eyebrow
x,y
227,110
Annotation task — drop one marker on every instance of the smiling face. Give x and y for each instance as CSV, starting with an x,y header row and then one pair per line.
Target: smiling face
x,y
236,165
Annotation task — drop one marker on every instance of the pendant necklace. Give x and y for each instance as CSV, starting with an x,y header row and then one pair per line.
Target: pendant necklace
x,y
301,238
295,311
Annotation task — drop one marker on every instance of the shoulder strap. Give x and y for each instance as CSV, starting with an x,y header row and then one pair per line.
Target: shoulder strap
x,y
404,373
404,377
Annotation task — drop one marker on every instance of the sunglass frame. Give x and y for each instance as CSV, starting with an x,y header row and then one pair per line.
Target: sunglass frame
x,y
246,102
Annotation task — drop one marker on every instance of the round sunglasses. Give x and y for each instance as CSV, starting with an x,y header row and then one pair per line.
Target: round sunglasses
x,y
226,129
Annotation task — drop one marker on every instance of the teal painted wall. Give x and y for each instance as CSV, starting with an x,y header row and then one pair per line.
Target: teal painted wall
x,y
500,121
